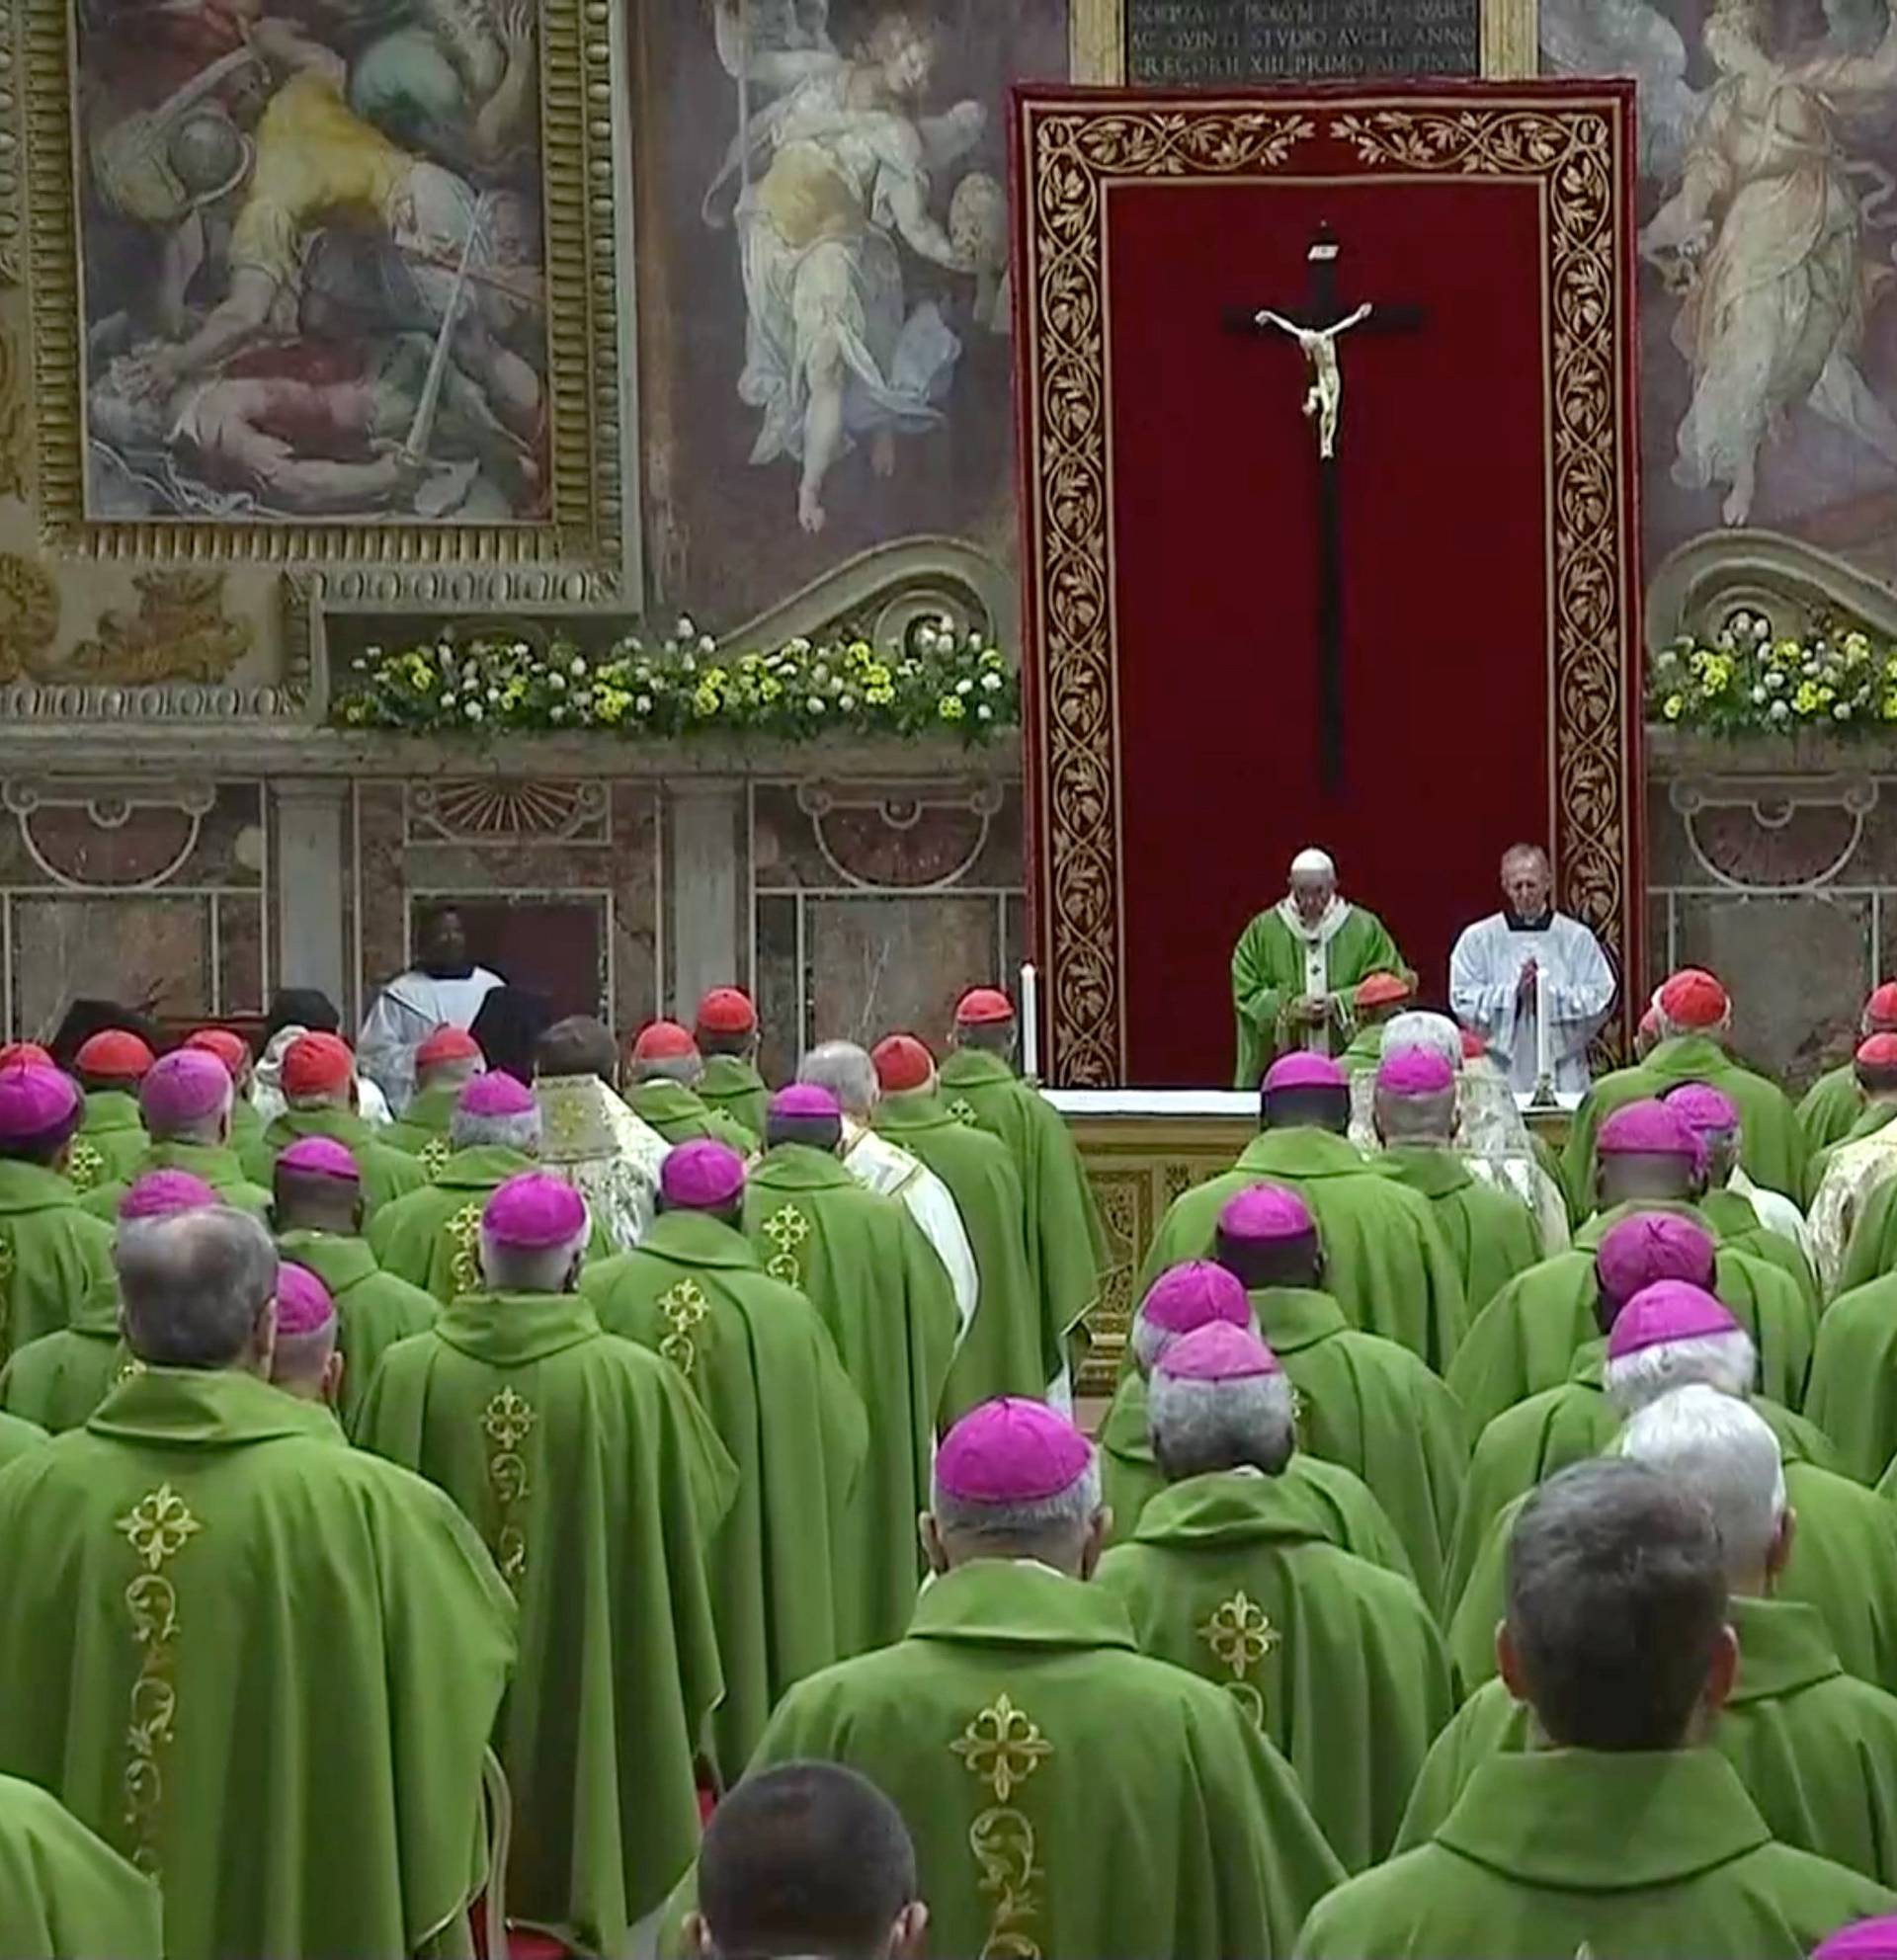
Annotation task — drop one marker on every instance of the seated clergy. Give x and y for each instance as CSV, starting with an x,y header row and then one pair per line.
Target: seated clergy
x,y
186,1101
311,1646
1809,1741
53,1255
319,1092
1338,1661
1362,1400
1627,1834
1022,1734
1386,1263
598,1482
1177,1303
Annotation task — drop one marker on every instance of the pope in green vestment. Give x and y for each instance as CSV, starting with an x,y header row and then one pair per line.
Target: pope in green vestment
x,y
598,1484
325,1638
388,1173
1336,1660
1296,967
1012,1346
65,1894
864,1264
764,1366
732,1084
110,1141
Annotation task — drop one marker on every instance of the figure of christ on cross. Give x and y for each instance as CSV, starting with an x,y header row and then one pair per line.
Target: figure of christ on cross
x,y
1317,331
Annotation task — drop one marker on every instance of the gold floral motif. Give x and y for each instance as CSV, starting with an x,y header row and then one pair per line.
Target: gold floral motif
x,y
157,1529
177,634
463,1232
435,1155
1240,1633
684,1307
29,615
786,1229
1075,152
1003,1747
963,1112
507,1421
84,1166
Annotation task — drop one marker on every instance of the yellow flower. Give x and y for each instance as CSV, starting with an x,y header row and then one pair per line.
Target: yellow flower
x,y
952,707
610,704
1807,700
1673,706
704,700
770,690
992,660
1890,707
880,695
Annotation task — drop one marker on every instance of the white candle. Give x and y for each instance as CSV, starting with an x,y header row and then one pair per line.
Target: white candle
x,y
1030,1021
1543,1032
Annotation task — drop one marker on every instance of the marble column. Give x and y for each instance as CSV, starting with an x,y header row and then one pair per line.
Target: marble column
x,y
308,816
706,864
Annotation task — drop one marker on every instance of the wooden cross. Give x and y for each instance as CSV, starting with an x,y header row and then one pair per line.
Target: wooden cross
x,y
1316,331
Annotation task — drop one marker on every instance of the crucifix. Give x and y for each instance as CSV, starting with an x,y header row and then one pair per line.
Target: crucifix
x,y
1318,329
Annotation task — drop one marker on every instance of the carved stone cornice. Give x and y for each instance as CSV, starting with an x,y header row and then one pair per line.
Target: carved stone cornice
x,y
1699,586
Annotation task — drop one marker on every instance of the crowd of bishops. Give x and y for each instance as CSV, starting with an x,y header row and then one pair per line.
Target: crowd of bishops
x,y
609,1504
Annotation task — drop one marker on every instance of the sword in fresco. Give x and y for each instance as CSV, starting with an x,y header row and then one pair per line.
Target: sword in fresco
x,y
422,430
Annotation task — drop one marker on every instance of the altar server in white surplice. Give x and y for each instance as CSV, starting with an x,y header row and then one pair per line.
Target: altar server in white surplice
x,y
1505,966
442,989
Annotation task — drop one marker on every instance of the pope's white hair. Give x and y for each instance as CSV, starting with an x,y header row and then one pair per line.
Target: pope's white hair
x,y
846,1072
1150,1342
1003,1530
520,1132
1199,1427
529,1268
1433,1033
1725,1362
1724,1453
1312,862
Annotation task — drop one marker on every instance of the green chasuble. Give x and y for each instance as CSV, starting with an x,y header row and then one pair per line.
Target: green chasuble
x,y
597,1482
681,1115
766,1371
1772,1145
373,1308
1338,1505
246,1125
1527,1338
59,1380
53,1256
310,1647
422,1128
1559,1852
1852,1396
1336,1660
110,1140
64,1892
1830,1109
1374,1406
1732,1217
19,1435
733,1085
1067,1248
1490,1232
1385,1263
432,1238
1013,1345
215,1163
389,1171
1844,1563
1873,1251
1269,975
1021,1735
1365,1053
1814,1747
864,1264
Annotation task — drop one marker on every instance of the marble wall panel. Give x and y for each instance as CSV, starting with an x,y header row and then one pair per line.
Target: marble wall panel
x,y
879,966
241,982
150,953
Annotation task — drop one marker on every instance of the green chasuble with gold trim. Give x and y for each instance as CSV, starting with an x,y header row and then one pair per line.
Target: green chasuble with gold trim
x,y
594,1478
1338,1505
1844,1563
54,1256
763,1364
1527,1338
1067,1793
863,1262
733,1085
65,1892
59,1380
1772,1145
215,1163
109,1141
1385,1263
1337,1661
373,1309
1067,1248
225,1629
1490,1232
1814,1747
1270,975
1013,1345
682,1115
1560,1852
387,1170
422,1128
1370,1405
432,1238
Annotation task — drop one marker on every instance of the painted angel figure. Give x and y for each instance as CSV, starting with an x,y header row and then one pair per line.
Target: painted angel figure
x,y
832,171
1764,230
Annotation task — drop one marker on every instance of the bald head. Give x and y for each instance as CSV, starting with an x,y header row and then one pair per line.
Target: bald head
x,y
198,1290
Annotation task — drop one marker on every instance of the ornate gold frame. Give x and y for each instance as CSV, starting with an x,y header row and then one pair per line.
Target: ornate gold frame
x,y
1097,40
582,329
1573,142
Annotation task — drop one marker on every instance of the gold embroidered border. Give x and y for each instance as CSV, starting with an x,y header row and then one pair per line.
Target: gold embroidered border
x,y
684,1306
1573,146
507,1421
464,1235
1003,1747
1241,1635
158,1527
786,1229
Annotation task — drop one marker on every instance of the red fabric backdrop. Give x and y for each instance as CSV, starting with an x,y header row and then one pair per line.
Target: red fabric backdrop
x,y
1442,488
